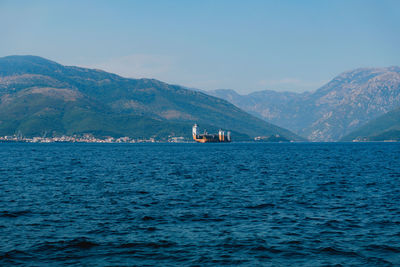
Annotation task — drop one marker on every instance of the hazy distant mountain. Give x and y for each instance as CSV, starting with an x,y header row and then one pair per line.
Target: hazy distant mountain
x,y
339,107
39,97
385,127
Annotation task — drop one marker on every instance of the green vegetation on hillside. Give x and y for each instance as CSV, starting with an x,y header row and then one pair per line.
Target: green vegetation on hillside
x,y
40,97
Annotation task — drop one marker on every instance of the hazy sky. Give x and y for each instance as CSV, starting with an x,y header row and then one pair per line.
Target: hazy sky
x,y
242,45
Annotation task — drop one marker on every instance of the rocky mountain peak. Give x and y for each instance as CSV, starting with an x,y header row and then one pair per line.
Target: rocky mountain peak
x,y
346,102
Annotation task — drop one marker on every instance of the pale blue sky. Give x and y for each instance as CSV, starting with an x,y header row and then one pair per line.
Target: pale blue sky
x,y
242,45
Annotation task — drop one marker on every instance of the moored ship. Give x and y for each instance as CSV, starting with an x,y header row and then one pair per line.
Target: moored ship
x,y
221,137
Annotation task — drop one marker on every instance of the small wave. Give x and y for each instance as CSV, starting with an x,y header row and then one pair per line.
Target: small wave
x,y
261,206
147,218
387,222
327,183
97,231
334,251
175,173
75,162
199,218
13,254
228,261
292,242
13,214
79,243
332,224
82,244
383,248
158,244
374,261
293,254
268,249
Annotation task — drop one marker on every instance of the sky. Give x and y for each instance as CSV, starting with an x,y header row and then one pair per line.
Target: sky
x,y
242,45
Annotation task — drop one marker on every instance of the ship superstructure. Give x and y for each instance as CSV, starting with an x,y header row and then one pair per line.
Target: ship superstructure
x,y
221,137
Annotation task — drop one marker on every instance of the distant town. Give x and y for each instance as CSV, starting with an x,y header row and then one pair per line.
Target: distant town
x,y
88,138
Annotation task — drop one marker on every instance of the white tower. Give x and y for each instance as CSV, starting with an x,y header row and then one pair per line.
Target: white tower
x,y
195,130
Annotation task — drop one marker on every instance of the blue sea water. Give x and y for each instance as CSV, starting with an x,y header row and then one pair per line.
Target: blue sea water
x,y
305,204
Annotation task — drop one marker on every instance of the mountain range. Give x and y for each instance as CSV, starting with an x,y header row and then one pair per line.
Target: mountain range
x,y
344,104
41,97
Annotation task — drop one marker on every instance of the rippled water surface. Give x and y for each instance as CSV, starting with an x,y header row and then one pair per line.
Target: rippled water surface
x,y
194,204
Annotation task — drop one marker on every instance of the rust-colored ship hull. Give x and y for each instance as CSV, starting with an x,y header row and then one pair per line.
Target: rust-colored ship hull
x,y
206,139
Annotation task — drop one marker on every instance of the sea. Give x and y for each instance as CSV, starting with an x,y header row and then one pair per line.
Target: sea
x,y
236,204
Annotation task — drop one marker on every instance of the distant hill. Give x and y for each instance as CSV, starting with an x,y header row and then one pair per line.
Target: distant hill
x,y
336,109
42,97
385,127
